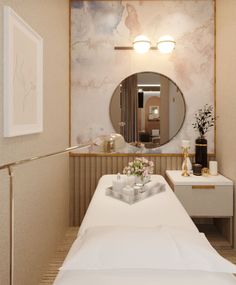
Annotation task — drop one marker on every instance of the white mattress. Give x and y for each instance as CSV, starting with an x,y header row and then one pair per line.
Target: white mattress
x,y
160,209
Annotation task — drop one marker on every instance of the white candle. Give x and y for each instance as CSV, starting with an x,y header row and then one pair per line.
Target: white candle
x,y
130,180
213,167
185,143
118,184
128,190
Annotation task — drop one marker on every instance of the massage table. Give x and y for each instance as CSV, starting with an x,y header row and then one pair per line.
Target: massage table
x,y
160,209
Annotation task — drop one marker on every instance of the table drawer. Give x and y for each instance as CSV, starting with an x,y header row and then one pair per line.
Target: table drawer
x,y
206,200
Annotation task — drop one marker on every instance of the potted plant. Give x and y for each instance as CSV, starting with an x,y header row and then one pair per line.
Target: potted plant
x,y
204,120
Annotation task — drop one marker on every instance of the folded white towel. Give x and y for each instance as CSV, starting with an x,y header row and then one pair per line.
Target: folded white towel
x,y
154,187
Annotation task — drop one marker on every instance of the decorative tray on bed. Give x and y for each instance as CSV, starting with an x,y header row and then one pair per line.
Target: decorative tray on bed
x,y
135,194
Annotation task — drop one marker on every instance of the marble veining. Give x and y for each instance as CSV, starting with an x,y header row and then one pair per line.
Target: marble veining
x,y
98,26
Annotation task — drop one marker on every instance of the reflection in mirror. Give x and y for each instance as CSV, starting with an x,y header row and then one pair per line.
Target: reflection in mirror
x,y
147,108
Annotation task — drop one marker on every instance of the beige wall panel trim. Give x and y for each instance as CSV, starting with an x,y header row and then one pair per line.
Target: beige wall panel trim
x,y
4,226
225,90
215,59
76,154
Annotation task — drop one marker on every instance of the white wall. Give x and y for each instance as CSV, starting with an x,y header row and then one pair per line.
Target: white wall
x,y
225,88
41,188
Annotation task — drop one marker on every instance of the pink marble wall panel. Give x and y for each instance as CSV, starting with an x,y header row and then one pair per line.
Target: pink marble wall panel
x,y
96,68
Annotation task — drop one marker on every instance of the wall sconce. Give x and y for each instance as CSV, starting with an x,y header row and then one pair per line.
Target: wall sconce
x,y
142,44
166,44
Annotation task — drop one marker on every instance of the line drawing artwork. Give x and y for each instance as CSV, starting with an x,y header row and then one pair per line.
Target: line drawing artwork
x,y
20,78
23,77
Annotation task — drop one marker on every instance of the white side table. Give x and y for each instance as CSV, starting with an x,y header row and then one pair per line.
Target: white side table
x,y
206,197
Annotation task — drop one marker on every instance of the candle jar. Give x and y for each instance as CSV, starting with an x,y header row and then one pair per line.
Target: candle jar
x,y
205,172
213,168
130,180
197,169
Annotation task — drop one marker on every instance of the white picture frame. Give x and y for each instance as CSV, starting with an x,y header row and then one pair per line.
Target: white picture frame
x,y
154,113
23,77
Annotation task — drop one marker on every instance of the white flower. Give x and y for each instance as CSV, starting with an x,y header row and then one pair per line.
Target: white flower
x,y
151,163
139,167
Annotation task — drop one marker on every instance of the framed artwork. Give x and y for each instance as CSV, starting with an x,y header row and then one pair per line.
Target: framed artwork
x,y
154,113
23,77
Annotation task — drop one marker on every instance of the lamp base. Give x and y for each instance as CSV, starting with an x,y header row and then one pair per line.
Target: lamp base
x,y
185,174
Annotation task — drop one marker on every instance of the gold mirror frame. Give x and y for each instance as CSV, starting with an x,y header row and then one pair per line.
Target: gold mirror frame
x,y
170,80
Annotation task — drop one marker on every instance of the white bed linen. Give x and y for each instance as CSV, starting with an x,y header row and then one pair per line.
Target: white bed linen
x,y
160,248
161,209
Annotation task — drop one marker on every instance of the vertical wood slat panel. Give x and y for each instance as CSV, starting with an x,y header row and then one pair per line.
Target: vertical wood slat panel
x,y
109,166
98,168
163,165
82,178
179,163
88,178
114,165
72,192
93,176
87,170
168,164
77,192
157,169
174,163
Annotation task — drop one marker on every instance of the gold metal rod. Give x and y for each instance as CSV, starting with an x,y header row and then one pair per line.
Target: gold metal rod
x,y
123,48
95,154
9,167
11,226
130,48
23,161
203,187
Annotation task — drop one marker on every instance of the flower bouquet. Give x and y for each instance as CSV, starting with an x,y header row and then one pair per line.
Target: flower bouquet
x,y
204,120
141,168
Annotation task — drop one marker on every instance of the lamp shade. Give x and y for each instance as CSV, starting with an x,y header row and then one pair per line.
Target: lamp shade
x,y
141,44
166,44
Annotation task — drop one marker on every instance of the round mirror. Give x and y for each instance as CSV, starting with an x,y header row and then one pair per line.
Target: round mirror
x,y
147,108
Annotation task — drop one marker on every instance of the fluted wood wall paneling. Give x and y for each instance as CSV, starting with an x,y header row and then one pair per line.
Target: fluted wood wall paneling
x,y
87,169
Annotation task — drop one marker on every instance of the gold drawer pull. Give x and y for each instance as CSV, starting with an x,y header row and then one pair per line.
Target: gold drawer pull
x,y
203,187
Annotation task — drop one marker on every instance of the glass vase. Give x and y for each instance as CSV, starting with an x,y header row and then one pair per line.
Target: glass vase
x,y
142,180
139,180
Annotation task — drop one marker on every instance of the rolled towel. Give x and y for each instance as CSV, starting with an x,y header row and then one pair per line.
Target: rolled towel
x,y
154,187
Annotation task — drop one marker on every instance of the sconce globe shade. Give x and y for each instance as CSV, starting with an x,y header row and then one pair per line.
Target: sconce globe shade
x,y
166,44
141,44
